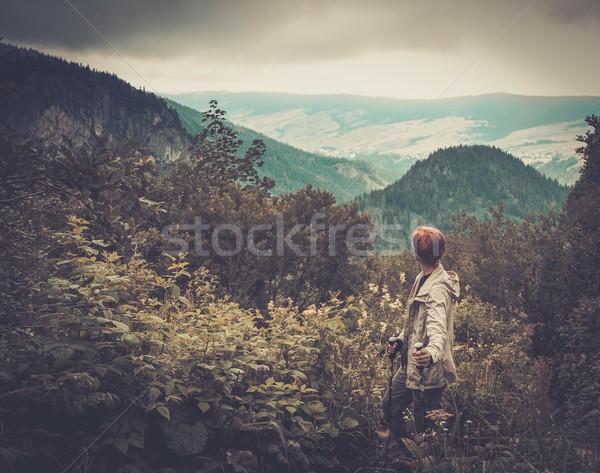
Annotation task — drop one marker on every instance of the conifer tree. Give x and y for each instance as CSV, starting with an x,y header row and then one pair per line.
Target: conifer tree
x,y
579,223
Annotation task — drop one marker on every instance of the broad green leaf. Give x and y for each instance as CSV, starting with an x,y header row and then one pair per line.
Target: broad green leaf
x,y
62,354
120,326
153,394
329,429
147,318
130,339
122,445
299,375
204,406
185,439
164,308
349,423
164,411
142,368
136,439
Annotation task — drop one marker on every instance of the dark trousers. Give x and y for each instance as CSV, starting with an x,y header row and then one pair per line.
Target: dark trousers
x,y
402,398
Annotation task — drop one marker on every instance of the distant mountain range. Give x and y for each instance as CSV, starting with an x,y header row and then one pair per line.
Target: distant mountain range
x,y
392,134
463,177
50,100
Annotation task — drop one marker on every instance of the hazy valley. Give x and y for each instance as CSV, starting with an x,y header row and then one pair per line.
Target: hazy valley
x,y
391,133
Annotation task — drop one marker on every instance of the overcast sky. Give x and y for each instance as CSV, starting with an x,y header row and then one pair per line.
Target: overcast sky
x,y
395,48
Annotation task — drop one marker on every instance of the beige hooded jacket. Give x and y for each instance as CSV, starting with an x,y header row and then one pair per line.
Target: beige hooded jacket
x,y
430,311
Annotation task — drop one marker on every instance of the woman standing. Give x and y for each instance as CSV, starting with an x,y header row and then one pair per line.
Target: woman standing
x,y
424,372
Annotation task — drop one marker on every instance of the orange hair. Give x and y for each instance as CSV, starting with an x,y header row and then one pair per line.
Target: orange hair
x,y
429,245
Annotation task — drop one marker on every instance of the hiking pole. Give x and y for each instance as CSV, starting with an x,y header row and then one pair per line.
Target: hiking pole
x,y
419,346
395,342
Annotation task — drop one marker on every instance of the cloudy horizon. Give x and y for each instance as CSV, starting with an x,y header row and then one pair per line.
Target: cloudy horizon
x,y
386,48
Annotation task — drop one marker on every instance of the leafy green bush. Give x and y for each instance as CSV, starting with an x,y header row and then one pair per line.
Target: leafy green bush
x,y
120,369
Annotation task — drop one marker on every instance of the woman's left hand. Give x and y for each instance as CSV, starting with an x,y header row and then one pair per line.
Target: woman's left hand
x,y
422,358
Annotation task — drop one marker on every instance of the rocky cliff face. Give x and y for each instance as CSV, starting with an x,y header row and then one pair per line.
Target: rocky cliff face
x,y
48,99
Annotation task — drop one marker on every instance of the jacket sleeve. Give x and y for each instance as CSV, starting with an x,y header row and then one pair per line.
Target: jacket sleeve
x,y
436,306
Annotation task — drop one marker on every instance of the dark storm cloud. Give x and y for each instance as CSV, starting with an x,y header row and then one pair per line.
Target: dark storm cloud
x,y
575,11
272,30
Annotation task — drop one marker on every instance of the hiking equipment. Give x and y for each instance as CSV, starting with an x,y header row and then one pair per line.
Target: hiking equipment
x,y
420,346
397,345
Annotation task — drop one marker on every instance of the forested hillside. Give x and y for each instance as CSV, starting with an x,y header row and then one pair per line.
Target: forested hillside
x,y
463,177
53,101
292,168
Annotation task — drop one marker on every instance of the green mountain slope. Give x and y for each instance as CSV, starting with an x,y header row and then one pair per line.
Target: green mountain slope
x,y
292,168
463,177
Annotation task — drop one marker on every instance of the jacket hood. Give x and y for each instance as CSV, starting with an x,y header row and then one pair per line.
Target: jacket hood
x,y
452,283
448,279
